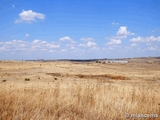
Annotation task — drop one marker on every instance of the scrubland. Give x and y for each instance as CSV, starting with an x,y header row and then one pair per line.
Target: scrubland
x,y
82,91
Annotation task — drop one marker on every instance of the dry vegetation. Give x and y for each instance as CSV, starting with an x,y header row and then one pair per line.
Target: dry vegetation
x,y
89,91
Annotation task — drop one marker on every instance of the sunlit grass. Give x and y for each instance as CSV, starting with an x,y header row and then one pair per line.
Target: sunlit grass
x,y
71,100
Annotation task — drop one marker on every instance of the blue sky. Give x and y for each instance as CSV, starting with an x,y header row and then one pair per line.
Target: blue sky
x,y
67,29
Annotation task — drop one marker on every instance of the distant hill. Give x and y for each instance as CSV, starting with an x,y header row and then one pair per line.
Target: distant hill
x,y
92,60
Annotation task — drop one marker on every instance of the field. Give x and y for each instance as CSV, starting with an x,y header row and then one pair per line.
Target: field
x,y
35,90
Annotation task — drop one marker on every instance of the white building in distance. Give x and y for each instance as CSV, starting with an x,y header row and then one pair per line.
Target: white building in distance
x,y
116,61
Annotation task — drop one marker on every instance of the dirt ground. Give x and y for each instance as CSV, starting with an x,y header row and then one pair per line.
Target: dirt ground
x,y
137,70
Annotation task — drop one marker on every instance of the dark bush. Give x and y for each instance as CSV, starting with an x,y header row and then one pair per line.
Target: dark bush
x,y
3,80
27,79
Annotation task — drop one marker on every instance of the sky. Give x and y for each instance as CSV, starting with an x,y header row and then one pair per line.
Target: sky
x,y
79,29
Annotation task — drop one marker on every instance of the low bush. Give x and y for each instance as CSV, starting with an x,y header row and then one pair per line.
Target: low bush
x,y
27,79
3,80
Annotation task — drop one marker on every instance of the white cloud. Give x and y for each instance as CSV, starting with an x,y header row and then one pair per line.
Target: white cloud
x,y
44,42
115,47
123,32
82,45
95,48
51,51
88,44
13,45
29,16
148,44
44,49
115,23
110,48
119,37
2,49
27,35
133,44
87,39
22,45
35,41
64,50
138,39
152,48
66,38
114,42
52,46
37,44
154,30
146,39
91,44
43,45
70,45
8,43
72,48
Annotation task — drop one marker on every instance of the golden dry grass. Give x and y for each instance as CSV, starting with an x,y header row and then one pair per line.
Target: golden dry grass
x,y
81,91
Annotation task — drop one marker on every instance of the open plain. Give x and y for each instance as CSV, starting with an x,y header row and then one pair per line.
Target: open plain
x,y
51,90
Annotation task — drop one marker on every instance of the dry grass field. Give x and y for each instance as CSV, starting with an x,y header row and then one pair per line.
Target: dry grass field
x,y
79,91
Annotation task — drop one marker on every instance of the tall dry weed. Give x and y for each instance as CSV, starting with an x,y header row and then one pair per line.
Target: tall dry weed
x,y
71,100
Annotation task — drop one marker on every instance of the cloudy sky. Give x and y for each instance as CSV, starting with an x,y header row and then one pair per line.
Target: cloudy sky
x,y
79,29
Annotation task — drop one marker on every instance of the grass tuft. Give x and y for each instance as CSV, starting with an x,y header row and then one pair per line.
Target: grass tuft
x,y
76,101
